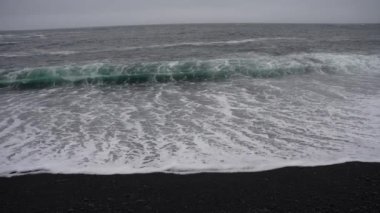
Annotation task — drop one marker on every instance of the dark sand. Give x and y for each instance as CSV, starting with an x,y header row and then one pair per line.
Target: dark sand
x,y
349,187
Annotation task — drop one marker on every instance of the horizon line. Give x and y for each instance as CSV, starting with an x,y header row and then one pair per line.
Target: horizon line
x,y
187,23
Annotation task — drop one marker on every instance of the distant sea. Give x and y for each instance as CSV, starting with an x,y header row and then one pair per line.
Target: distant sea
x,y
188,98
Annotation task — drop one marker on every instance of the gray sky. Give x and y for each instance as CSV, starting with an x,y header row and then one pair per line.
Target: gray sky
x,y
40,14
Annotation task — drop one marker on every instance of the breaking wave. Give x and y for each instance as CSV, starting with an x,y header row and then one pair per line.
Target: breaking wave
x,y
190,70
212,43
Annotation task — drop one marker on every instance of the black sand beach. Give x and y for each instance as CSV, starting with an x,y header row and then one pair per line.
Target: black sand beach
x,y
348,187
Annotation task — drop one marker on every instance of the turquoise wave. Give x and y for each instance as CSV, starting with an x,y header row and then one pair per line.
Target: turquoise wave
x,y
139,73
206,70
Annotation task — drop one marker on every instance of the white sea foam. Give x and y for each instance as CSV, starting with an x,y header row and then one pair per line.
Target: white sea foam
x,y
244,124
200,43
242,41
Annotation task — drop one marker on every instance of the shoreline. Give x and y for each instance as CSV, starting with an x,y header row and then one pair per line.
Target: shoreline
x,y
346,187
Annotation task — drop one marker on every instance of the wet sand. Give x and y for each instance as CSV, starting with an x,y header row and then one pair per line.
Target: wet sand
x,y
348,187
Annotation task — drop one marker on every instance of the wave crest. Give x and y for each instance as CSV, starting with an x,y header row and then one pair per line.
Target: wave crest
x,y
191,70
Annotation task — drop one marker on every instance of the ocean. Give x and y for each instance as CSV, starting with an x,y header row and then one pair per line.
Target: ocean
x,y
188,98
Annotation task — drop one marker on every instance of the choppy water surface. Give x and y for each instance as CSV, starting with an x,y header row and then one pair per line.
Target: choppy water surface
x,y
188,98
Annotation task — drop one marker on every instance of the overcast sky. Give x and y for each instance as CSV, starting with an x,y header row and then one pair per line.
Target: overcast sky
x,y
40,14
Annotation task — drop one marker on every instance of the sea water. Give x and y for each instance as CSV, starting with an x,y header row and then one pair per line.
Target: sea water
x,y
188,98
